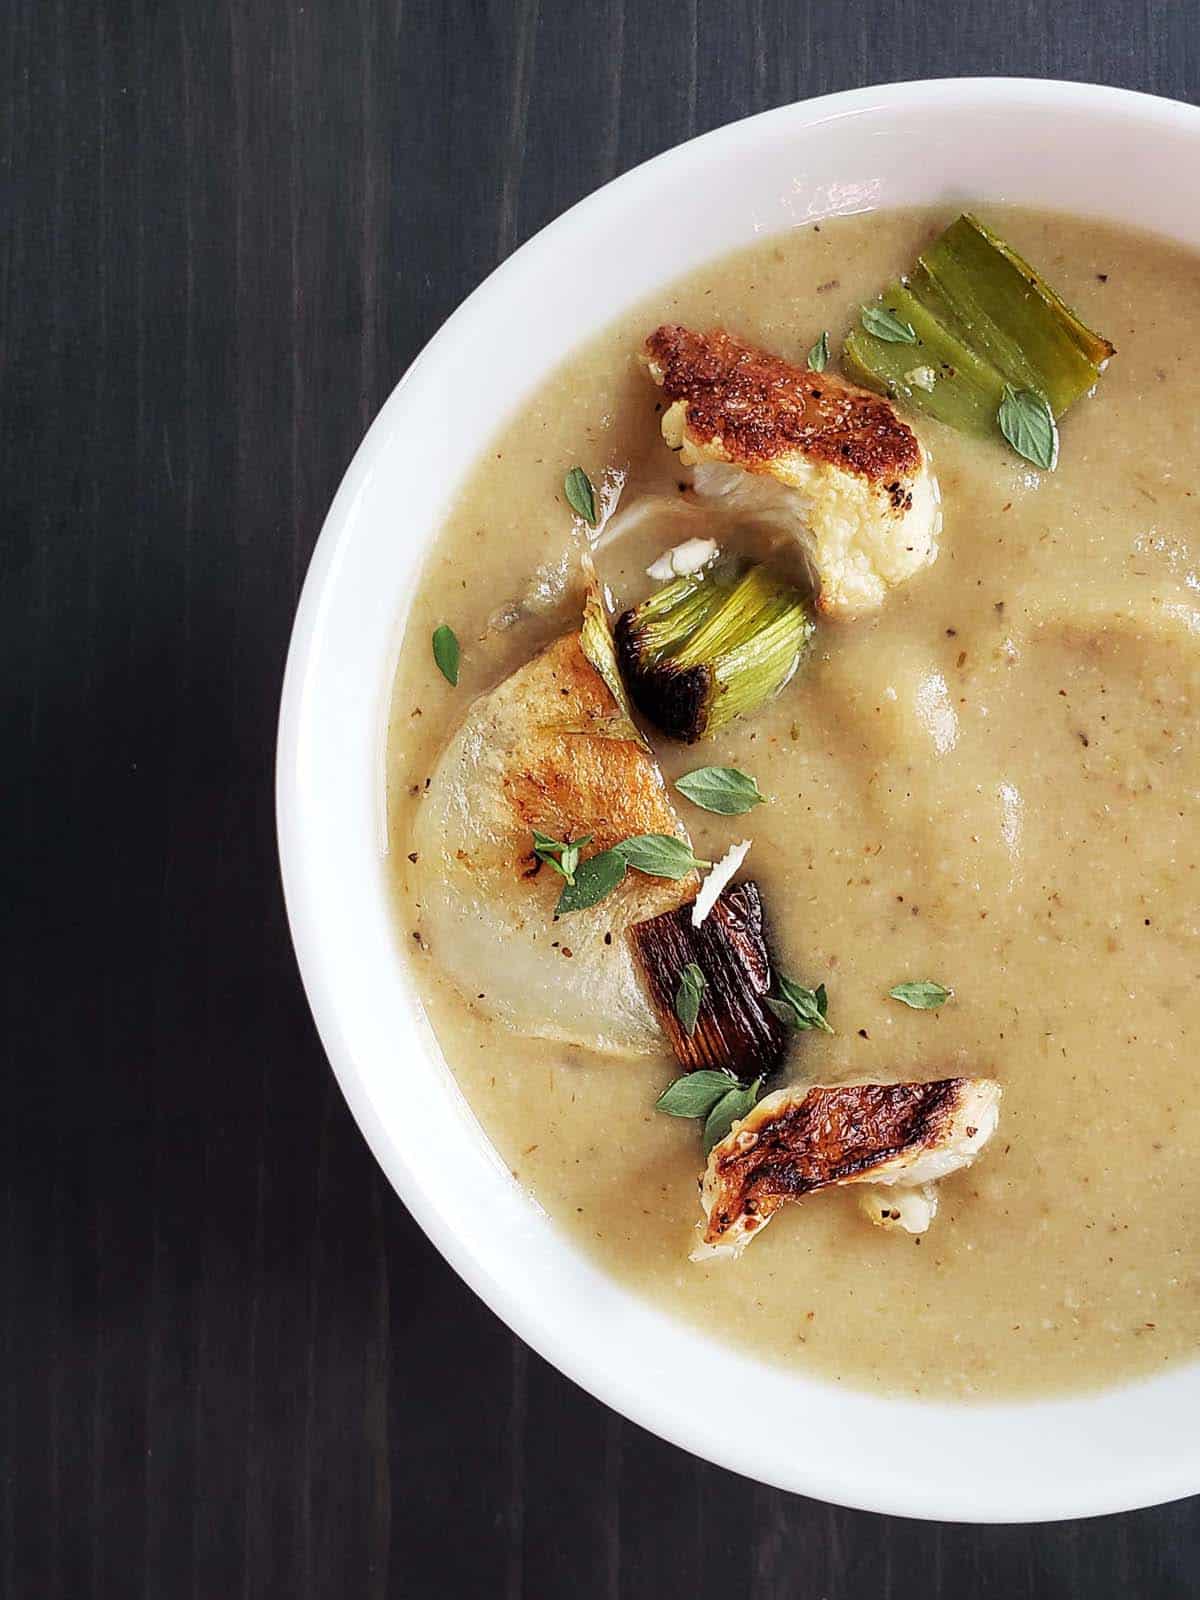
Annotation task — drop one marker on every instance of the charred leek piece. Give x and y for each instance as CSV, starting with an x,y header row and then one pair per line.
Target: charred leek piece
x,y
734,1028
708,648
984,318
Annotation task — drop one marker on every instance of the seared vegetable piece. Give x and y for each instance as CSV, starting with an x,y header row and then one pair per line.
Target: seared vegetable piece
x,y
826,462
1002,306
903,1135
984,319
712,647
547,754
734,1029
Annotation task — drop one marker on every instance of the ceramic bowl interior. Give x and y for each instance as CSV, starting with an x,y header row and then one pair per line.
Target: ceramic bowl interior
x,y
1089,150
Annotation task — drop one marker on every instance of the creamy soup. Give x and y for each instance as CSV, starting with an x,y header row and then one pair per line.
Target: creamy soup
x,y
992,782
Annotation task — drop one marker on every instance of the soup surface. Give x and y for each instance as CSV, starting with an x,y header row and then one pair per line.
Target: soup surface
x,y
992,782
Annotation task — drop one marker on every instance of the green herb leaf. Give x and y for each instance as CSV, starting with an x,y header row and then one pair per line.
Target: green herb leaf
x,y
562,856
688,996
715,1096
724,790
446,653
580,495
1027,422
661,855
924,995
695,1094
880,322
818,356
595,878
729,1109
798,1007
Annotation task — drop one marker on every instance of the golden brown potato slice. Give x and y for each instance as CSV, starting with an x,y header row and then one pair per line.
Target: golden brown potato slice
x,y
549,748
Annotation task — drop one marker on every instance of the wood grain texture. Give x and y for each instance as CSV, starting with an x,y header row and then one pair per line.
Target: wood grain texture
x,y
230,1365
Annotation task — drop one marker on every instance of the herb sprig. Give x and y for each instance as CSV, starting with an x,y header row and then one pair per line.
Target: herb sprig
x,y
581,496
921,994
717,1097
880,322
658,855
562,855
692,984
446,653
800,1008
725,790
595,879
1028,424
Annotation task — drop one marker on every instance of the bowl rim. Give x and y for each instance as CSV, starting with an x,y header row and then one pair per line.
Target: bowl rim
x,y
878,1487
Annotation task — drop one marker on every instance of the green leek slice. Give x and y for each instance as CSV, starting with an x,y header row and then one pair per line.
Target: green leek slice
x,y
984,319
966,389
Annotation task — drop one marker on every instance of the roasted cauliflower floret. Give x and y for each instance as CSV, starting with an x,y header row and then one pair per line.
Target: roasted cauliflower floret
x,y
901,1135
831,462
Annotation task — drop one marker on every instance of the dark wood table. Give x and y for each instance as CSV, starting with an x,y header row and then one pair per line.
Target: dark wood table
x,y
229,1362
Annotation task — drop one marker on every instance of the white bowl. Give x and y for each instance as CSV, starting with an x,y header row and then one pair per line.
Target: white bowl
x,y
1095,151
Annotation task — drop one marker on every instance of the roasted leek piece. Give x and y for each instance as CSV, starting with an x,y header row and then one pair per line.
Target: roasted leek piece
x,y
984,319
735,1030
711,647
817,1136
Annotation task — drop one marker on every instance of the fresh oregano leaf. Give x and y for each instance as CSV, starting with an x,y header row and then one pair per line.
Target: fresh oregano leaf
x,y
595,879
724,790
580,495
661,855
818,356
728,1110
695,1094
688,996
878,320
798,1007
1027,422
922,995
446,653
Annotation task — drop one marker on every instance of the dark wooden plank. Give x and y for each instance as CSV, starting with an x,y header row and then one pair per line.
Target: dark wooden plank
x,y
229,1362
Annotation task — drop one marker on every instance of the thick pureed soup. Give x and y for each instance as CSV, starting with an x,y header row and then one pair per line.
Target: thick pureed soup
x,y
992,782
